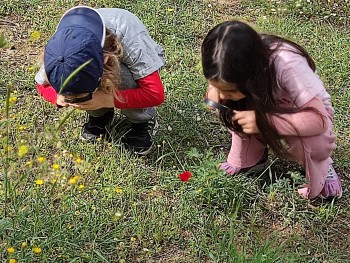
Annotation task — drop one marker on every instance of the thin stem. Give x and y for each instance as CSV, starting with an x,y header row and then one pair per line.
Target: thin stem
x,y
73,74
6,166
64,119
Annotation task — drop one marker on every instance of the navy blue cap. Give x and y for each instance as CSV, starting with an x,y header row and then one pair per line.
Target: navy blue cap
x,y
79,37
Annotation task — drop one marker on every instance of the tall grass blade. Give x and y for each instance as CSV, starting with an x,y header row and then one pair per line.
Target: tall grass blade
x,y
64,85
6,164
73,74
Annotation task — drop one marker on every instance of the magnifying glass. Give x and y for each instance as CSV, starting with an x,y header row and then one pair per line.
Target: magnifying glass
x,y
217,105
78,100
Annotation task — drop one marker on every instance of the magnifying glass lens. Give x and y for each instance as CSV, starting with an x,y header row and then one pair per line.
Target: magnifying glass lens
x,y
216,105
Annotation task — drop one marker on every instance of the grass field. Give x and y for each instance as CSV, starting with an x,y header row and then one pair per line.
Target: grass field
x,y
63,200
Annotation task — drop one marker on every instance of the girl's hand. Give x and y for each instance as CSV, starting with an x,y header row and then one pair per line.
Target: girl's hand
x,y
60,101
99,100
246,119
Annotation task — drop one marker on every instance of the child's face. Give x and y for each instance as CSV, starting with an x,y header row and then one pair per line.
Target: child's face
x,y
227,91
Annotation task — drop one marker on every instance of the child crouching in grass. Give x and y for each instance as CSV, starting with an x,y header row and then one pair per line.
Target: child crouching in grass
x,y
276,99
123,72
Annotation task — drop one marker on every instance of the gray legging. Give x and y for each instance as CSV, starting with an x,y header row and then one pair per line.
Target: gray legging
x,y
133,115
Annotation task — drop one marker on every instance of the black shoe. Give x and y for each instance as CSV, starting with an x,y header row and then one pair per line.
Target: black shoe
x,y
260,166
95,128
138,140
263,164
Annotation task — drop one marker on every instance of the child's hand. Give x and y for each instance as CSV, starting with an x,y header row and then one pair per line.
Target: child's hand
x,y
60,101
246,119
99,100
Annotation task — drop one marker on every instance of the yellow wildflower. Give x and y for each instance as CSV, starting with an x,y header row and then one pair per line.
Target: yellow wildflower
x,y
35,36
39,182
170,10
12,99
118,190
78,160
132,239
31,69
41,159
37,250
10,249
12,260
73,180
24,245
56,166
81,186
22,150
21,128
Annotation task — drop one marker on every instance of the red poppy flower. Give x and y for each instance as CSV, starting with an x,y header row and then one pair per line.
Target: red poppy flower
x,y
185,176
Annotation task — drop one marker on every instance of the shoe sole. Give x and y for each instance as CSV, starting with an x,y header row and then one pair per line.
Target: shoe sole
x,y
81,137
144,152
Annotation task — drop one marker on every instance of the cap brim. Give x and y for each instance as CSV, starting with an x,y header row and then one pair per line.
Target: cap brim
x,y
87,17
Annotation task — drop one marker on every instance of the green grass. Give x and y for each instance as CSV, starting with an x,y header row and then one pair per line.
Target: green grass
x,y
98,203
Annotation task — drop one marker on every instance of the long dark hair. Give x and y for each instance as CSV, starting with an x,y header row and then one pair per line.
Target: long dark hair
x,y
234,52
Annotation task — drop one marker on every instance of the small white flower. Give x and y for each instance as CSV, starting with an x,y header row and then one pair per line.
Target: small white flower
x,y
118,214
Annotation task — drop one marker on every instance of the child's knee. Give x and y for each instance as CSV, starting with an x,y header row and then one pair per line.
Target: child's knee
x,y
319,148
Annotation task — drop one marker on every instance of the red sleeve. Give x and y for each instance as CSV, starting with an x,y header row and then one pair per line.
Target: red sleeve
x,y
150,92
48,93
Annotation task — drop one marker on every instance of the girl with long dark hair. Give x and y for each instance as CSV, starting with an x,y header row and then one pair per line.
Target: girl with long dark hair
x,y
277,100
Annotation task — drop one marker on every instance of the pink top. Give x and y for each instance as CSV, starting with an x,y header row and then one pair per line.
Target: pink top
x,y
299,84
299,87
